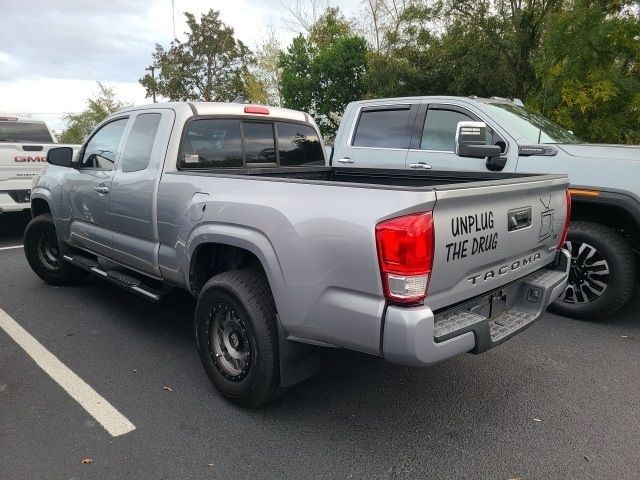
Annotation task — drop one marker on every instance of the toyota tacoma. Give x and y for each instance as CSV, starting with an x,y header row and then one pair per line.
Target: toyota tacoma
x,y
234,204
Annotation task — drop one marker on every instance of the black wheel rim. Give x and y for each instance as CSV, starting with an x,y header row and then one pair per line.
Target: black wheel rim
x,y
47,250
229,343
588,274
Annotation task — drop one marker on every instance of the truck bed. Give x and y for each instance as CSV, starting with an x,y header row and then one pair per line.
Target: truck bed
x,y
425,180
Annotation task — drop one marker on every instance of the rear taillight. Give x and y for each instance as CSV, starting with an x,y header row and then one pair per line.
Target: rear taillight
x,y
567,220
405,254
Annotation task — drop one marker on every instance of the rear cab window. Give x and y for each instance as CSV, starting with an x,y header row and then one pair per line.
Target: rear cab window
x,y
298,145
24,132
259,142
211,143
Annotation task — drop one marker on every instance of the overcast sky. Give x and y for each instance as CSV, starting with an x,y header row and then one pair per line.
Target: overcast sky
x,y
52,52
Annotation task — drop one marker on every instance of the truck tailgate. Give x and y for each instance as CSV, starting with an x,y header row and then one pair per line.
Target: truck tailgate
x,y
16,163
488,234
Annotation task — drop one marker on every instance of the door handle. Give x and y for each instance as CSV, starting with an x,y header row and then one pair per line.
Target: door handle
x,y
422,165
102,189
344,160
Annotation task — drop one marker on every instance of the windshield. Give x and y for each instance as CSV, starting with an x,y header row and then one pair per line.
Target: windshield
x,y
531,126
24,132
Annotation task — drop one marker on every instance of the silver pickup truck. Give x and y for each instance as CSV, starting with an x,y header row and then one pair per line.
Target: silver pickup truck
x,y
234,204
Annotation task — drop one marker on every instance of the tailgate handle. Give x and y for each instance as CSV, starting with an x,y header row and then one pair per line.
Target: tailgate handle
x,y
32,148
519,218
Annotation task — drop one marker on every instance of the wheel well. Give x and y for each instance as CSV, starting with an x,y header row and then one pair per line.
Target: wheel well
x,y
613,216
39,206
213,258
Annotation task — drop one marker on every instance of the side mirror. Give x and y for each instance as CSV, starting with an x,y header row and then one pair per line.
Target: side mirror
x,y
471,141
60,156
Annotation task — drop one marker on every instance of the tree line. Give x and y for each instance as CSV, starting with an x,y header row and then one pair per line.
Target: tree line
x,y
575,61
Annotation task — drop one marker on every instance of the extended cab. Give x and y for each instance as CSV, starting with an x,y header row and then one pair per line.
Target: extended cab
x,y
418,133
234,204
24,144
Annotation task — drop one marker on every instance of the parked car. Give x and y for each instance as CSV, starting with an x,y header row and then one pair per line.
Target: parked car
x,y
234,204
419,133
24,144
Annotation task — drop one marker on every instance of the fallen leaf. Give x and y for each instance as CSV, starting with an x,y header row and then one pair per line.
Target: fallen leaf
x,y
587,458
537,420
87,461
167,388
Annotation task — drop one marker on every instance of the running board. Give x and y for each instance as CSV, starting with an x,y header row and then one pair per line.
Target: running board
x,y
116,277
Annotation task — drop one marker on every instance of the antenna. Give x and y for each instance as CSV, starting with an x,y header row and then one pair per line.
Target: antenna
x,y
173,17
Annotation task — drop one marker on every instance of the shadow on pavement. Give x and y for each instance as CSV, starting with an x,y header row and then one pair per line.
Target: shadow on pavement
x,y
12,227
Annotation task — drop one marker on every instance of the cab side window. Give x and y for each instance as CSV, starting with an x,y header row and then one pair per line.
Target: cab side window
x,y
137,151
383,127
101,151
439,131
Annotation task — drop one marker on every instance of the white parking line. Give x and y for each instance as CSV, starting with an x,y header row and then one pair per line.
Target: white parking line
x,y
11,248
113,421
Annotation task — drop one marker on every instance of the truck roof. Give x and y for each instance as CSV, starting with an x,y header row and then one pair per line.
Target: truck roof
x,y
12,118
227,108
440,98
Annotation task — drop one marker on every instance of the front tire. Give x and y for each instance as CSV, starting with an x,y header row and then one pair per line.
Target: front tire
x,y
237,338
42,249
602,275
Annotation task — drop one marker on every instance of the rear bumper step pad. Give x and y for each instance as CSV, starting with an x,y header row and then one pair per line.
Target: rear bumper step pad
x,y
521,312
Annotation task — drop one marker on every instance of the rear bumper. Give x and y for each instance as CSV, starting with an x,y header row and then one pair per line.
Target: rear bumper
x,y
14,201
417,336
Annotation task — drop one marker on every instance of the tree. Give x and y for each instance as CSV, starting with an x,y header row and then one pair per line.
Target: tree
x,y
589,67
80,125
323,71
303,14
526,22
211,65
430,49
267,67
455,47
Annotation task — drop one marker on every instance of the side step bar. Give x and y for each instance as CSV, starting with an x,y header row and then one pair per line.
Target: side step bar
x,y
116,277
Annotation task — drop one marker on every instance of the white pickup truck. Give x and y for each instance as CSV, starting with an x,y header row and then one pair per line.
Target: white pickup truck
x,y
24,144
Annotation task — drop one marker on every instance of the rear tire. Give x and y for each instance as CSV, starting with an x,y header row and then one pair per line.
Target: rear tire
x,y
42,249
602,275
237,339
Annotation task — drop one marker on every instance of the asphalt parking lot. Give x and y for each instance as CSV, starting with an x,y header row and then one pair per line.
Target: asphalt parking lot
x,y
561,400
